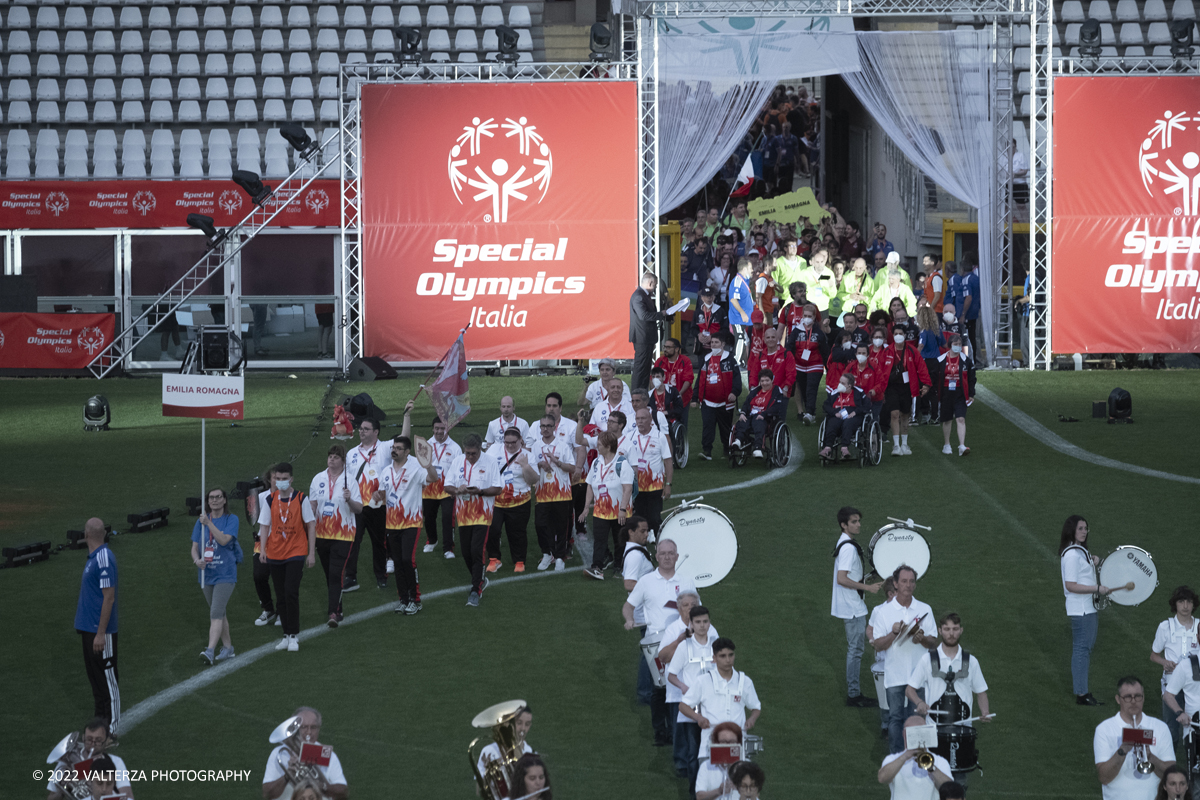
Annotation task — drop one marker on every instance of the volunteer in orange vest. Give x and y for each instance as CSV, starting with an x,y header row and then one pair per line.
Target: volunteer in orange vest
x,y
935,281
287,528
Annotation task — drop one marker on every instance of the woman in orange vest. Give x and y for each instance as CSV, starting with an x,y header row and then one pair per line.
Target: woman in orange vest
x,y
287,529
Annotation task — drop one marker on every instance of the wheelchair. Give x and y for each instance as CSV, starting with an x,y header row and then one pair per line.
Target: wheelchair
x,y
866,446
777,446
680,448
1191,746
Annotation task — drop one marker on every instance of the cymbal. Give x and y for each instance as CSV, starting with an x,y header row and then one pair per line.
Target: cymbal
x,y
285,729
494,715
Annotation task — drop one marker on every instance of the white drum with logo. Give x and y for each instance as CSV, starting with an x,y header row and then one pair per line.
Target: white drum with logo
x,y
1125,565
706,541
880,689
896,544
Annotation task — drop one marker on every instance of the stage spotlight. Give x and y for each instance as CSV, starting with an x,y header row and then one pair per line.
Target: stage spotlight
x,y
1181,38
299,139
252,185
96,413
410,45
507,39
212,237
148,520
25,554
601,43
1089,39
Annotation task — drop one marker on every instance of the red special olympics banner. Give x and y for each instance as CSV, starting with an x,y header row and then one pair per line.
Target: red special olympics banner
x,y
53,341
1126,241
151,204
511,207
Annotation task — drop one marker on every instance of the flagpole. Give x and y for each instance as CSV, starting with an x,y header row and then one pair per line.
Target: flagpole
x,y
749,156
437,366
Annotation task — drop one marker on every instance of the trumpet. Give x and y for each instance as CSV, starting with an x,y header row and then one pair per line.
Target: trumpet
x,y
1142,757
293,769
925,759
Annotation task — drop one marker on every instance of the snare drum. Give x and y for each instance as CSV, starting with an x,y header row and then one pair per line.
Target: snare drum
x,y
751,746
706,541
1129,564
956,744
896,544
880,689
658,670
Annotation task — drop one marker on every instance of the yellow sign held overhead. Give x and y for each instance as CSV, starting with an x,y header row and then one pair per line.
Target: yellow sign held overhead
x,y
789,207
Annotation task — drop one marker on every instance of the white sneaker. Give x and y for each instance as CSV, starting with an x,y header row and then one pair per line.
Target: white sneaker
x,y
429,548
391,566
448,554
905,450
559,565
963,449
266,618
293,644
946,450
757,454
278,622
737,444
545,563
897,450
282,644
809,419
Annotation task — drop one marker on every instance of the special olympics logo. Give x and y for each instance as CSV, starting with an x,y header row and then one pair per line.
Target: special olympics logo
x,y
317,200
91,339
1,340
229,201
499,175
57,202
144,202
1172,152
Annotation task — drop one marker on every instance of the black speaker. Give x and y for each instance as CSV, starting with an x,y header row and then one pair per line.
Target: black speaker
x,y
18,293
370,368
214,348
1120,405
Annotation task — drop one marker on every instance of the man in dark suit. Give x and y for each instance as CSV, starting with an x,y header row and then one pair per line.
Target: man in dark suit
x,y
643,329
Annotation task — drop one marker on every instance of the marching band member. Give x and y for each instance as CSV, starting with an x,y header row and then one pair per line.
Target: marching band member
x,y
1117,762
712,780
102,778
873,625
721,695
679,630
508,419
748,778
337,503
908,632
1184,680
1080,582
435,499
1174,785
522,722
691,659
275,779
556,461
513,506
475,483
366,463
287,528
912,782
400,488
610,487
955,668
952,790
848,604
530,777
1174,642
95,741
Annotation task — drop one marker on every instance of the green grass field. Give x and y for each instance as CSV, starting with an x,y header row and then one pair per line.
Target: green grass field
x,y
398,693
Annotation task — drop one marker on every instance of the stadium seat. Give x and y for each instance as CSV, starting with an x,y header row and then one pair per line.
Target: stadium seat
x,y
1072,37
241,17
133,168
131,17
161,111
187,18
75,143
1025,106
297,17
132,111
191,168
328,64
272,64
215,41
243,40
19,65
133,65
76,111
299,64
215,111
518,17
245,111
245,88
48,142
48,64
302,111
105,169
48,89
18,17
47,42
1154,11
162,169
104,112
131,42
465,40
490,42
301,88
159,17
354,16
356,58
330,112
188,64
491,17
75,42
19,42
219,138
19,90
248,137
1158,33
244,64
75,168
75,18
299,39
1135,52
160,64
273,87
467,58
132,138
327,17
383,41
48,113
381,17
438,39
409,17
355,39
275,111
1072,11
1100,11
214,17
1022,82
1131,33
104,89
270,17
277,167
76,89
161,140
132,89
328,87
18,138
1127,11
525,38
464,17
272,40
216,89
327,39
77,64
17,164
248,158
46,170
189,89
219,168
1183,9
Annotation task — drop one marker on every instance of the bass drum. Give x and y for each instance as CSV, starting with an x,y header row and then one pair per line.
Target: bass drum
x,y
896,544
706,542
1129,564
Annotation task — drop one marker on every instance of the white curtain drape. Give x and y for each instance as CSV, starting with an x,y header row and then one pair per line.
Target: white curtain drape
x,y
928,90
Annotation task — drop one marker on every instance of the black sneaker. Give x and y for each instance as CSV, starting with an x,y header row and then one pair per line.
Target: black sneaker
x,y
862,701
608,562
1087,700
349,586
381,584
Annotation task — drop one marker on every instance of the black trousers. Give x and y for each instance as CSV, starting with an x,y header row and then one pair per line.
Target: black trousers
x,y
472,540
402,546
643,359
927,403
578,501
515,522
785,174
602,529
334,554
756,425
649,506
838,428
102,675
372,521
807,384
286,575
552,521
262,585
431,510
978,355
714,419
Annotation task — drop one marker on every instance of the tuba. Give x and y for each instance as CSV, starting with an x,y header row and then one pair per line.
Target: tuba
x,y
294,770
69,752
495,781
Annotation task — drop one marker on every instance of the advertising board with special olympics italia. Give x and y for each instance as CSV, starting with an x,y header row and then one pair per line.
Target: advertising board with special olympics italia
x,y
1126,224
510,207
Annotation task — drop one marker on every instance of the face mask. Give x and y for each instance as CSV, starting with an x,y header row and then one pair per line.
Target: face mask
x,y
806,322
843,388
847,345
956,348
877,342
286,484
862,358
657,382
898,338
948,317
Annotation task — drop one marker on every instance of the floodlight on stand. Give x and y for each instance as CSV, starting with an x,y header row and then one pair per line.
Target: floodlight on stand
x,y
212,237
148,520
96,413
252,185
1089,39
507,40
1181,38
299,139
600,41
410,45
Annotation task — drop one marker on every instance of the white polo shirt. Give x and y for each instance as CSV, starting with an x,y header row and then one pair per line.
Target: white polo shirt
x,y
402,486
335,520
1181,681
608,479
671,634
1077,568
877,631
365,465
711,776
483,474
442,454
554,482
633,566
333,773
497,427
656,595
1174,642
914,783
649,452
600,413
966,687
720,700
903,655
517,490
1129,783
624,443
597,394
846,602
691,660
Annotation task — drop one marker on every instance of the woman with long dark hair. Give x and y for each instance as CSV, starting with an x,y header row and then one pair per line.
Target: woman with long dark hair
x,y
1174,785
530,776
1081,581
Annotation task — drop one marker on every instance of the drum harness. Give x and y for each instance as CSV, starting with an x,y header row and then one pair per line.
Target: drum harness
x,y
861,561
950,698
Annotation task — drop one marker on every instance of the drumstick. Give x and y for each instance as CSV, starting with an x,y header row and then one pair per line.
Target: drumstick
x,y
1129,587
910,523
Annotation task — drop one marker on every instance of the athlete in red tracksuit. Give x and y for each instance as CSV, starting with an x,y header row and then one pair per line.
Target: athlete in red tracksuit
x,y
902,372
865,377
956,391
775,358
678,372
845,409
720,383
765,402
810,349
